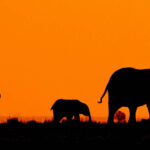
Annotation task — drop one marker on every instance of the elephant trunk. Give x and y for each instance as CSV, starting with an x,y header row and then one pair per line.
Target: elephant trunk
x,y
85,111
90,118
89,115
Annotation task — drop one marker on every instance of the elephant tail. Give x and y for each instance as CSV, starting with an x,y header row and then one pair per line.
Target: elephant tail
x,y
103,93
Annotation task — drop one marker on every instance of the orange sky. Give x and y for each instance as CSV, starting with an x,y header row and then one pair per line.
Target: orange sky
x,y
52,49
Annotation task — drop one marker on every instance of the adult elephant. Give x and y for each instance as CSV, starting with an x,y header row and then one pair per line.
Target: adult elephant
x,y
128,87
69,108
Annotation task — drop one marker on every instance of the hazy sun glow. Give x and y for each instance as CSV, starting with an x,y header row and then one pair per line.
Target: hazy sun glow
x,y
52,49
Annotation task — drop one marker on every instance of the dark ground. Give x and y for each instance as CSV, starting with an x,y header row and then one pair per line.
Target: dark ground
x,y
83,133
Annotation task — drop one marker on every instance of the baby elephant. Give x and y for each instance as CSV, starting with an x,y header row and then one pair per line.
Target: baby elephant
x,y
69,108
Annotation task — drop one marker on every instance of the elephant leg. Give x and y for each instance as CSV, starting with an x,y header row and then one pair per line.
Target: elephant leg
x,y
132,119
112,111
69,118
148,106
57,117
77,117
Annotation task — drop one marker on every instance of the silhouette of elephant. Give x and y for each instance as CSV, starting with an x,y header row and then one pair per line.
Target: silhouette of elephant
x,y
128,87
69,108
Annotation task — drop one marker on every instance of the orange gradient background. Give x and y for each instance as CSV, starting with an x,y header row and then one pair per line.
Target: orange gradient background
x,y
51,49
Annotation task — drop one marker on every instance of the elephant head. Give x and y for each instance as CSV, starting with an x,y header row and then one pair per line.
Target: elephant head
x,y
84,109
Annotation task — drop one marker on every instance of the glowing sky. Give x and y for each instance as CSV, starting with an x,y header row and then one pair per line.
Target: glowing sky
x,y
52,49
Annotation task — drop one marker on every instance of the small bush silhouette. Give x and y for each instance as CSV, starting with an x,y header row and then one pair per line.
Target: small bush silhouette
x,y
120,117
13,121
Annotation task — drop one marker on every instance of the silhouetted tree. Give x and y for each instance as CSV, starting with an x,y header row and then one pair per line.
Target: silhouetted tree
x,y
120,117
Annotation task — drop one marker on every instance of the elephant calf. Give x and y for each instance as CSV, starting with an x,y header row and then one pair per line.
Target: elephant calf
x,y
69,108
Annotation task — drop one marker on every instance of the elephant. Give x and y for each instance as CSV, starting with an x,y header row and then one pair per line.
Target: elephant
x,y
69,108
128,87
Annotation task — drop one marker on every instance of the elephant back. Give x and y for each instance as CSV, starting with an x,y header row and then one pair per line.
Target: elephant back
x,y
64,103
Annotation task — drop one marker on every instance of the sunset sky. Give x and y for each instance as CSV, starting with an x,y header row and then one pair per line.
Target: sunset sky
x,y
51,49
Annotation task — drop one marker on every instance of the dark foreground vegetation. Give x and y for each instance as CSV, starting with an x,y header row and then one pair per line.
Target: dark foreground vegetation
x,y
83,133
